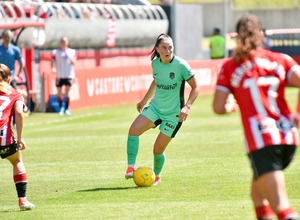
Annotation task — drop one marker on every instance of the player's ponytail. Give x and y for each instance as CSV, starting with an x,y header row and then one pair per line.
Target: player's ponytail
x,y
5,74
249,37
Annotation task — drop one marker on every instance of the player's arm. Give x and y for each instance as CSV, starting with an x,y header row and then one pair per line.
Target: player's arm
x,y
149,94
72,58
53,61
193,82
19,123
195,89
294,80
21,62
224,102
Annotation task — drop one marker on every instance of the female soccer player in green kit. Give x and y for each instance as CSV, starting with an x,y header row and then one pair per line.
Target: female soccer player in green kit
x,y
167,108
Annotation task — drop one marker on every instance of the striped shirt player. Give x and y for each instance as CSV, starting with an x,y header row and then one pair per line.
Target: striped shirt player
x,y
12,103
7,109
267,120
257,78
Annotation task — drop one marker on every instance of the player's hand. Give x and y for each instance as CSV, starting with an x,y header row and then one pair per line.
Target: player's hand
x,y
53,70
184,113
140,105
21,144
16,77
231,104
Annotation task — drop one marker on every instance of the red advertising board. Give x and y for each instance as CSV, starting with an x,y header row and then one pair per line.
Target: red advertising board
x,y
104,85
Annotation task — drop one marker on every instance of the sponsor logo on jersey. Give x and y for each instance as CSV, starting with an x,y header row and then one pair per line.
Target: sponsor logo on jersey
x,y
167,87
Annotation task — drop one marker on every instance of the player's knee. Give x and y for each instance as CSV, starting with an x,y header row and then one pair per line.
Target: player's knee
x,y
134,131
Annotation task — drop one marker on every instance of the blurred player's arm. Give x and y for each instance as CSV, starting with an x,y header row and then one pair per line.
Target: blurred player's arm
x,y
22,65
53,62
72,58
294,80
224,102
19,123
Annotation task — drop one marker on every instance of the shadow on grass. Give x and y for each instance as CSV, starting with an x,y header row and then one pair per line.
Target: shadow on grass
x,y
10,210
109,188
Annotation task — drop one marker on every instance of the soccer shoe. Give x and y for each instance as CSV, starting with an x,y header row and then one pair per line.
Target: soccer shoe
x,y
24,204
129,173
25,109
61,112
157,181
293,216
67,112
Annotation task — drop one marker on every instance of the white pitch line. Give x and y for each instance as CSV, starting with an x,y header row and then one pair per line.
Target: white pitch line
x,y
62,119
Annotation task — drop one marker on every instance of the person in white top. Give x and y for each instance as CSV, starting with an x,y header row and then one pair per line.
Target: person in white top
x,y
63,62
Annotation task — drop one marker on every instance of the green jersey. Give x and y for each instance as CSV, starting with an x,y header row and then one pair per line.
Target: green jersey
x,y
170,83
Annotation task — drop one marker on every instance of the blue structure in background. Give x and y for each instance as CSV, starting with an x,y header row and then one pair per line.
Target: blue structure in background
x,y
53,105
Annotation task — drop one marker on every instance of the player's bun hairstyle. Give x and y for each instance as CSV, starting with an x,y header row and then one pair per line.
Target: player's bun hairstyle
x,y
159,39
249,37
5,74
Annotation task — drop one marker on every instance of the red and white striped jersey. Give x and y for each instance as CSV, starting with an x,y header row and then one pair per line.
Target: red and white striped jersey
x,y
258,86
7,102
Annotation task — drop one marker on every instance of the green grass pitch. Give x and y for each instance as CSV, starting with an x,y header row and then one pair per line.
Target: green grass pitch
x,y
76,168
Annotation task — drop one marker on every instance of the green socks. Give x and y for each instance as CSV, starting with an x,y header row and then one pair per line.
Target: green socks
x,y
159,161
132,149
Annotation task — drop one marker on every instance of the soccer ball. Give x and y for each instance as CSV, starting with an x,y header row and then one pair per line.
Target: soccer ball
x,y
143,177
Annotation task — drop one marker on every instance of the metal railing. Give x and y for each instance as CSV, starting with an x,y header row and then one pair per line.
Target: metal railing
x,y
88,25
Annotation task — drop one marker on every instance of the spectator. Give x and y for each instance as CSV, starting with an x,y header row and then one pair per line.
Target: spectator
x,y
11,146
9,54
63,61
257,77
217,45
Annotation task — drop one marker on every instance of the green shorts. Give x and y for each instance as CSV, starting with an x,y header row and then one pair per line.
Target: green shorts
x,y
168,124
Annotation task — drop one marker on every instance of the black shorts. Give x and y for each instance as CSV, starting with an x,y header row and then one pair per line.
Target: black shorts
x,y
271,158
64,81
6,151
